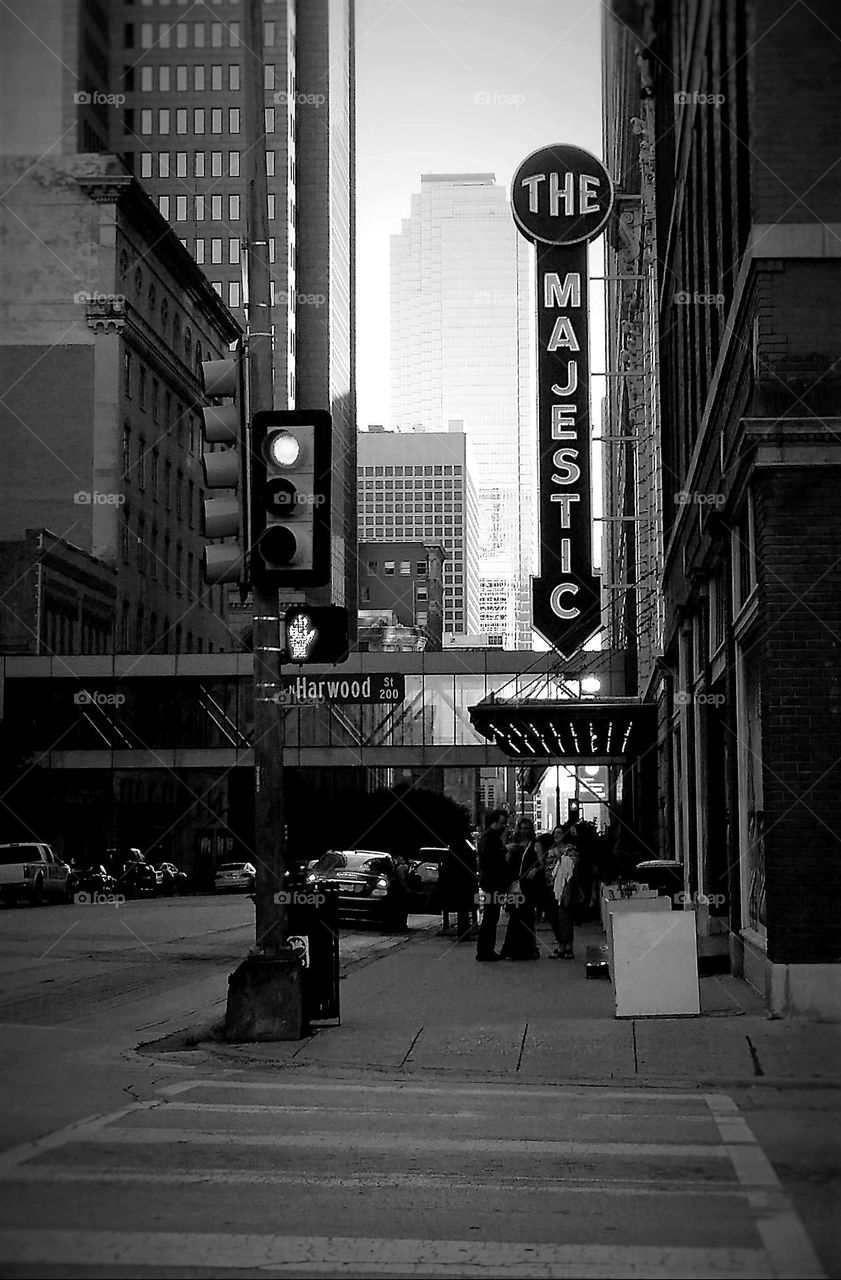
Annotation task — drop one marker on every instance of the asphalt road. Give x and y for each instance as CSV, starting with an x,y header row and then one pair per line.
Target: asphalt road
x,y
119,1163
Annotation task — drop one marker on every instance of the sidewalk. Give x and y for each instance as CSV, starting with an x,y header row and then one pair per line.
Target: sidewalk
x,y
426,1005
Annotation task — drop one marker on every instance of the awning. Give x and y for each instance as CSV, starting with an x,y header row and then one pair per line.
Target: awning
x,y
586,729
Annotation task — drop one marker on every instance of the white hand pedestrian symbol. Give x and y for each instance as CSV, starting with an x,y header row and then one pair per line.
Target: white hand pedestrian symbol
x,y
299,636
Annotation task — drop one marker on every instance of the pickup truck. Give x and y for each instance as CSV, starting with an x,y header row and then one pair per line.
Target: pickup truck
x,y
33,871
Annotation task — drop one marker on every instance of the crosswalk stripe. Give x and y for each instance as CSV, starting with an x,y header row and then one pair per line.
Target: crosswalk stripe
x,y
372,1256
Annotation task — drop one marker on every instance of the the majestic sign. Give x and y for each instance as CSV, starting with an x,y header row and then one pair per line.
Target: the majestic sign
x,y
561,197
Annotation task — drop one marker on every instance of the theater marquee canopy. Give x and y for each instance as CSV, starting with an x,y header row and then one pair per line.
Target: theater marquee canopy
x,y
572,729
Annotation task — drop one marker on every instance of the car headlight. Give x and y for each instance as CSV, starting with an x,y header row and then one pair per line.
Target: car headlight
x,y
311,878
380,888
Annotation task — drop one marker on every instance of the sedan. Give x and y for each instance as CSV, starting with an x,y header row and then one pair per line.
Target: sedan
x,y
371,887
170,879
93,879
235,877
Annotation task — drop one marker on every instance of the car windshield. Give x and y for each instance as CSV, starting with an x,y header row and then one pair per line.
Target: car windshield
x,y
362,860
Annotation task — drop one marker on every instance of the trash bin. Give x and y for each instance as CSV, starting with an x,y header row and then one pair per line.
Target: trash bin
x,y
314,916
663,874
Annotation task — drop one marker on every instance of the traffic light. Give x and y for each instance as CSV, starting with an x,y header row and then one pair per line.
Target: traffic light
x,y
291,458
319,634
225,516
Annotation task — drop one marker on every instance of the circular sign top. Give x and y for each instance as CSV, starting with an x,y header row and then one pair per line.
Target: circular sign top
x,y
561,195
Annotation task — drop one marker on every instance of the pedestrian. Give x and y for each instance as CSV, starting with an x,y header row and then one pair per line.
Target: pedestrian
x,y
566,891
526,869
494,879
459,883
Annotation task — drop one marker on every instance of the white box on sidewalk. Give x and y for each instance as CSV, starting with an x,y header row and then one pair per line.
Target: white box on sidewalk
x,y
654,963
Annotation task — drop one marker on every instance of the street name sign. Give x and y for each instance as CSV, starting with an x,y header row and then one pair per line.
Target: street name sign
x,y
312,691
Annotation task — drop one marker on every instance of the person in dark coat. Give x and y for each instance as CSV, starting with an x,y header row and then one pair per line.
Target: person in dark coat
x,y
494,879
525,868
459,884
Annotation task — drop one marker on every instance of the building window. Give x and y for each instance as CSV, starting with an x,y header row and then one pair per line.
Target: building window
x,y
269,120
405,568
216,120
198,35
270,164
142,387
126,450
181,164
163,120
156,398
199,208
127,375
216,251
216,164
271,204
388,568
147,35
233,164
372,568
233,35
216,77
147,82
200,251
198,120
181,79
233,293
421,568
191,500
233,250
233,120
146,122
216,35
163,205
233,77
180,208
268,34
124,536
181,120
216,208
198,170
146,164
233,208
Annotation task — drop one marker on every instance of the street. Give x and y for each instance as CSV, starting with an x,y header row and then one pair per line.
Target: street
x,y
337,1157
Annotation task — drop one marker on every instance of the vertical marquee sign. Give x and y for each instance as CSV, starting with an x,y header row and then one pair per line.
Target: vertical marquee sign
x,y
561,198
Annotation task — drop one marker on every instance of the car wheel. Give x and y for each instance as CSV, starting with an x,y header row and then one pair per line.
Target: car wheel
x,y
36,897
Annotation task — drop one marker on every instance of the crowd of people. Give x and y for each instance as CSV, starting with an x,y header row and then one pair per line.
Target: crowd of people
x,y
525,875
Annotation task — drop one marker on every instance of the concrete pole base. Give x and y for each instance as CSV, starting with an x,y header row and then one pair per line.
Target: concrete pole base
x,y
265,1000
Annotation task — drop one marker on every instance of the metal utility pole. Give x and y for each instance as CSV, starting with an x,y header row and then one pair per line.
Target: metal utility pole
x,y
264,1001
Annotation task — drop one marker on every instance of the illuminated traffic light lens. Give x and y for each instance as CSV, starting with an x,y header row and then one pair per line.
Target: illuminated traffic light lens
x,y
283,449
278,545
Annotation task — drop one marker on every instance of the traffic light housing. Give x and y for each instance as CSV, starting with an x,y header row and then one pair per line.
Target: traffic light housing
x,y
319,634
225,422
291,459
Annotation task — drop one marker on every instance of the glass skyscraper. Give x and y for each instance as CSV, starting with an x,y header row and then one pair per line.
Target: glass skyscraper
x,y
461,309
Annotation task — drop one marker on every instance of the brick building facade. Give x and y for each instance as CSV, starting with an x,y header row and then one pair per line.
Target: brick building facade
x,y
727,217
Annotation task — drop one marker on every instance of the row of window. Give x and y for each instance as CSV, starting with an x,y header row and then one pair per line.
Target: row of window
x,y
198,164
156,635
411,471
196,35
169,487
219,208
195,79
157,558
63,632
184,424
197,120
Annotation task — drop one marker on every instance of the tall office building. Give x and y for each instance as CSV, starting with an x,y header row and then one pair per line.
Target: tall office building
x,y
461,350
419,488
181,132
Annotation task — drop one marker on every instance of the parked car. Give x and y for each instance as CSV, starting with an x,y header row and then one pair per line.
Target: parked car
x,y
93,879
424,872
32,871
235,877
138,880
370,889
171,880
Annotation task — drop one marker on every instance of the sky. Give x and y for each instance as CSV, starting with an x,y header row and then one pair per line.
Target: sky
x,y
453,86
